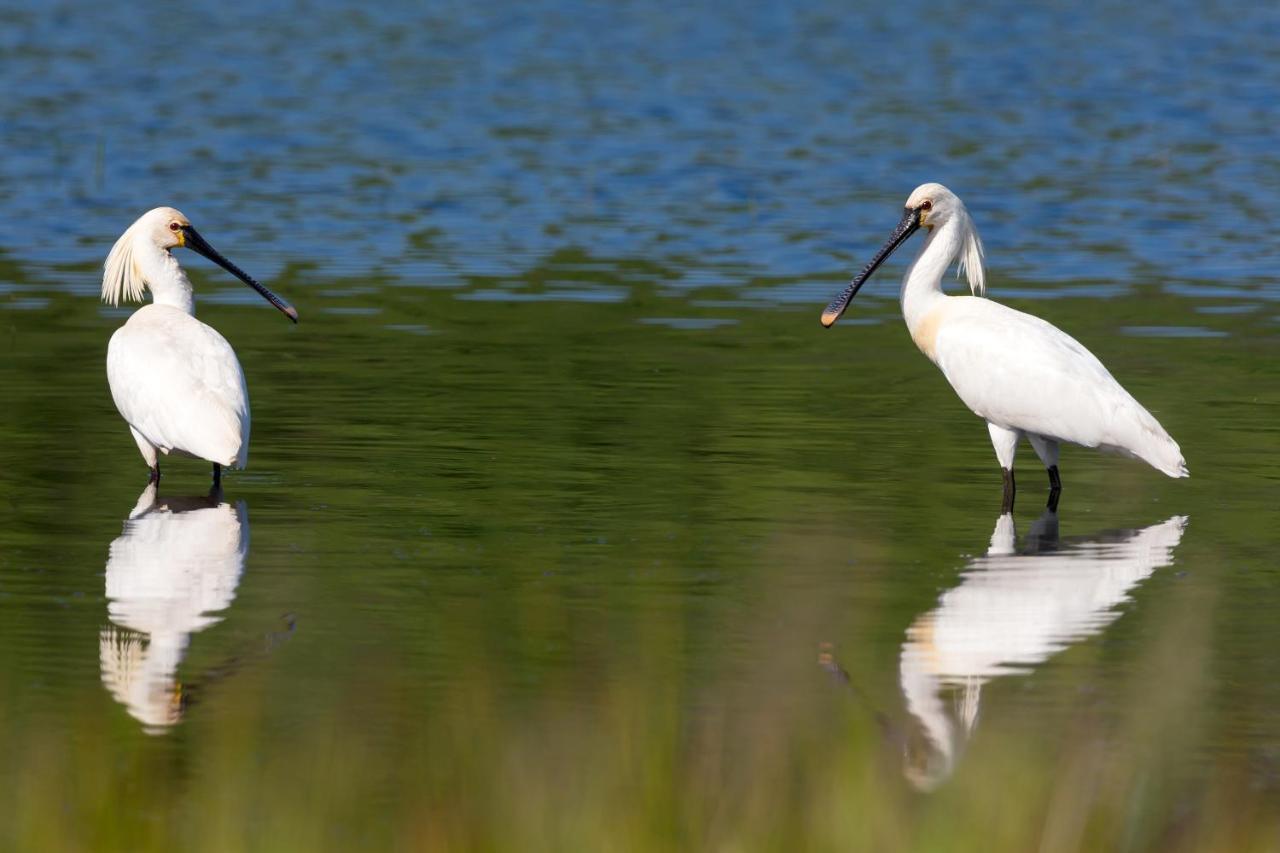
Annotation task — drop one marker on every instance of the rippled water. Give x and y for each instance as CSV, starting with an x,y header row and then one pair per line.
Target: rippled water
x,y
567,527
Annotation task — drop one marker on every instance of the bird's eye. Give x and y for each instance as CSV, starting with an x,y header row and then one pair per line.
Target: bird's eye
x,y
175,226
926,205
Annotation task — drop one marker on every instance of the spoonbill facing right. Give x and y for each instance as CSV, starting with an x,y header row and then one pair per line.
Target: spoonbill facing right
x,y
176,381
1021,375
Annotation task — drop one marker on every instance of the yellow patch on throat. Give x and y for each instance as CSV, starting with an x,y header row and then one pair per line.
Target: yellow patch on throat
x,y
925,333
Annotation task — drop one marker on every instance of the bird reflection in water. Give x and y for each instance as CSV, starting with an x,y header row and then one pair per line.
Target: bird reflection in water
x,y
1013,609
170,574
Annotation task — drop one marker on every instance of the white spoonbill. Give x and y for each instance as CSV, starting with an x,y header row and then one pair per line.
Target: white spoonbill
x,y
176,381
1021,375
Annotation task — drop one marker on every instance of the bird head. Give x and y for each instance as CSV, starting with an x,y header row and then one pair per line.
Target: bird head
x,y
930,206
166,228
935,205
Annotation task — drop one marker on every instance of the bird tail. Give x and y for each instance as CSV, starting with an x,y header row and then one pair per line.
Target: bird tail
x,y
1158,449
1135,432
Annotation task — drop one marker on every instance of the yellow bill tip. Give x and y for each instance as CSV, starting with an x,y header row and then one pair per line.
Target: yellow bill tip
x,y
829,318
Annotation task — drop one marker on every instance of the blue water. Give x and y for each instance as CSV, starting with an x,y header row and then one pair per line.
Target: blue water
x,y
428,145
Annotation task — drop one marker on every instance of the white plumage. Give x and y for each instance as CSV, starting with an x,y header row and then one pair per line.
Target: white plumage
x,y
176,381
162,356
1051,387
1022,375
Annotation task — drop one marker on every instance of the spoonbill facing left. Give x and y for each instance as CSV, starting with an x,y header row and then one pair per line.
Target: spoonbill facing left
x,y
1021,375
176,381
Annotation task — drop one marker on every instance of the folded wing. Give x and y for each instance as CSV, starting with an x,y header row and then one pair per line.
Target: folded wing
x,y
178,383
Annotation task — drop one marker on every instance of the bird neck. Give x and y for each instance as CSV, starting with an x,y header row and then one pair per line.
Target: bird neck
x,y
922,285
164,276
154,695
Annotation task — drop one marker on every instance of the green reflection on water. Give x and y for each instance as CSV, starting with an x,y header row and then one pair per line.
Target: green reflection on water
x,y
561,571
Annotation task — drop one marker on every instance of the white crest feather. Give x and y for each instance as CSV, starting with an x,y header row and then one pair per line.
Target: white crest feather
x,y
971,255
121,278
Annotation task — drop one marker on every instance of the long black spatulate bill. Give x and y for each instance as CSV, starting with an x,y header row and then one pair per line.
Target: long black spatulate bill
x,y
910,222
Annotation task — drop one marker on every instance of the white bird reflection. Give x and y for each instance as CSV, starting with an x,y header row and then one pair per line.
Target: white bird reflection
x,y
1013,610
169,574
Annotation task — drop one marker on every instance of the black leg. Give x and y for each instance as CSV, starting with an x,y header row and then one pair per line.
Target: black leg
x,y
154,475
1055,488
1006,505
217,475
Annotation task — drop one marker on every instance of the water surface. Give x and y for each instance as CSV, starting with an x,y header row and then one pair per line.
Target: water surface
x,y
566,526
